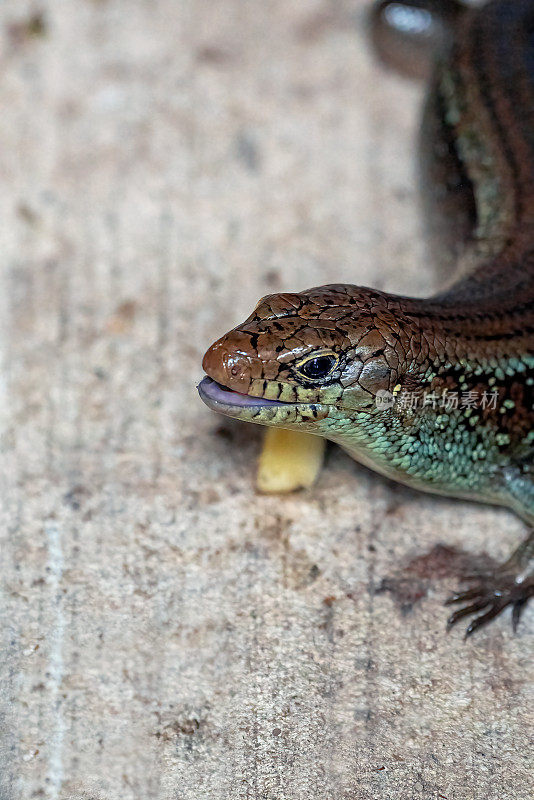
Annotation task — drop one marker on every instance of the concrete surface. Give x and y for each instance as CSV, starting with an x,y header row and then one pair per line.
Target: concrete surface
x,y
167,633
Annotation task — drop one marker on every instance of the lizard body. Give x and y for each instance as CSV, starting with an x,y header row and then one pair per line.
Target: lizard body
x,y
437,393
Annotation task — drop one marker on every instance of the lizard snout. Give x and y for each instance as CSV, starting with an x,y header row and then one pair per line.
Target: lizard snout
x,y
226,363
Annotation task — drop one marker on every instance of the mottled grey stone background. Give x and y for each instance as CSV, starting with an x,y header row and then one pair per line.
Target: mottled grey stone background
x,y
168,633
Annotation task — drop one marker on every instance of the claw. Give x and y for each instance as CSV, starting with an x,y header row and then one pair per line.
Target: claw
x,y
459,597
517,611
478,622
464,612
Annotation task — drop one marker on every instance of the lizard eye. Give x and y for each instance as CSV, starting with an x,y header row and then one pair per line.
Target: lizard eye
x,y
318,366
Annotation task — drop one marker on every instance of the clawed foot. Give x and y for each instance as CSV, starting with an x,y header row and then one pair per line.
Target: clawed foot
x,y
491,594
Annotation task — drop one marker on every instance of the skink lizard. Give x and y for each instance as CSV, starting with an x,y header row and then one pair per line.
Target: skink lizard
x,y
436,393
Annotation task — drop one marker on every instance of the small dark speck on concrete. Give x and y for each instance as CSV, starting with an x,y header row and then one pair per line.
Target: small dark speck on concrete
x,y
34,27
224,433
329,601
36,24
213,55
27,214
185,727
401,193
75,496
247,151
272,278
277,732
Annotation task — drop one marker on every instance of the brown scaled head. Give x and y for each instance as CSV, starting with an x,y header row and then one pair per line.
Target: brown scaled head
x,y
331,346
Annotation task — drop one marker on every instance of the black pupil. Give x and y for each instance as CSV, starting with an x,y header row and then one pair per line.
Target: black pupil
x,y
318,367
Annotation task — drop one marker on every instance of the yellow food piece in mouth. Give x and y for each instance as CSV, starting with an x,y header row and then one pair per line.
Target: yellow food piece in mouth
x,y
289,461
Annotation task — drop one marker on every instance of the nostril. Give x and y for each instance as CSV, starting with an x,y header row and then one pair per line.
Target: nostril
x,y
233,364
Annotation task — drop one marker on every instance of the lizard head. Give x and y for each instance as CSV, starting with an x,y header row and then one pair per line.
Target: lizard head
x,y
309,361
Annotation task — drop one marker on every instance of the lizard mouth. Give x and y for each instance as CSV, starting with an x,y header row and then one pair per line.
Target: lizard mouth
x,y
219,397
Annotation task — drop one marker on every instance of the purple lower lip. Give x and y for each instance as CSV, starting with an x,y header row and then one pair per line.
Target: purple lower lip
x,y
213,393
